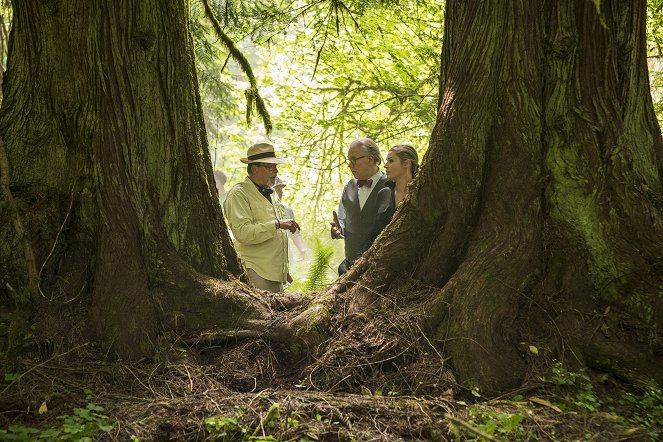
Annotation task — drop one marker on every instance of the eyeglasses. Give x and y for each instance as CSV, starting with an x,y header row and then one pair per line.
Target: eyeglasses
x,y
353,161
267,166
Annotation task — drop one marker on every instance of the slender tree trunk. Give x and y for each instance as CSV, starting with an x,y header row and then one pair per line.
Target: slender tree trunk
x,y
537,214
110,166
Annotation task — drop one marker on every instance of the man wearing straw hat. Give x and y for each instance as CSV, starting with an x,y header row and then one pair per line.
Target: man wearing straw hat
x,y
258,221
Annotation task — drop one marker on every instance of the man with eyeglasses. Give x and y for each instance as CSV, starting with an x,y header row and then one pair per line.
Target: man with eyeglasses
x,y
366,205
258,220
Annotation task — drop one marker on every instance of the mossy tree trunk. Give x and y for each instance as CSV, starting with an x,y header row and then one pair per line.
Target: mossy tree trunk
x,y
537,215
110,169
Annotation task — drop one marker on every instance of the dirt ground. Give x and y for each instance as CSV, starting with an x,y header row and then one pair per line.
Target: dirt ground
x,y
244,392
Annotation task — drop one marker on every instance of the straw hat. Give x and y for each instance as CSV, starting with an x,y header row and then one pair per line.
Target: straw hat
x,y
262,153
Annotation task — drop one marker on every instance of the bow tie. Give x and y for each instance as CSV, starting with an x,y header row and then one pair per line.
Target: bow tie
x,y
267,193
362,183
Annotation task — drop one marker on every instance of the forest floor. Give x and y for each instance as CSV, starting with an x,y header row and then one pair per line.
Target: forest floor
x,y
243,393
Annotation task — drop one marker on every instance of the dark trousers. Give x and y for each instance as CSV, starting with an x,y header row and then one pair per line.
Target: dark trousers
x,y
344,267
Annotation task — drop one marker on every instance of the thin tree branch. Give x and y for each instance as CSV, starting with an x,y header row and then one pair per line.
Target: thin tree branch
x,y
252,95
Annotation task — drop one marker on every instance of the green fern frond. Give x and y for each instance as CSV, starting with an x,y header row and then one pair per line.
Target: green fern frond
x,y
317,277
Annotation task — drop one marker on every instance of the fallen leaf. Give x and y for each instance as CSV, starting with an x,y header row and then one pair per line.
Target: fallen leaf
x,y
609,416
538,400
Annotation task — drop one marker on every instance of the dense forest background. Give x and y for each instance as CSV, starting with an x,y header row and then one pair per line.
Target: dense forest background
x,y
327,76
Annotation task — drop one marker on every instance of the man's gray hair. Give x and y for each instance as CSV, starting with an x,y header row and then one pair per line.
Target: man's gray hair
x,y
369,147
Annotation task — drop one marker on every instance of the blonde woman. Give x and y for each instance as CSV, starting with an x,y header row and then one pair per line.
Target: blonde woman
x,y
401,166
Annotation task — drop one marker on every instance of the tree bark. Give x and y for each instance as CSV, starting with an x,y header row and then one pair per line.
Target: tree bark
x,y
537,214
111,170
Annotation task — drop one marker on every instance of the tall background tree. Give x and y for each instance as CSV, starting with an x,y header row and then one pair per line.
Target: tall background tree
x,y
110,172
535,224
112,182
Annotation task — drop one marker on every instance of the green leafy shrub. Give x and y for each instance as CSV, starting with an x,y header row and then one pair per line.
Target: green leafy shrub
x,y
85,424
577,389
317,276
499,424
647,410
270,427
225,428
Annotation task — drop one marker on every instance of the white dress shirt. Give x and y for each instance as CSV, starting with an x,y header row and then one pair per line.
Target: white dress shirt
x,y
364,192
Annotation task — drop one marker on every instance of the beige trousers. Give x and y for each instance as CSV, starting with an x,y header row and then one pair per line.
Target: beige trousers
x,y
262,283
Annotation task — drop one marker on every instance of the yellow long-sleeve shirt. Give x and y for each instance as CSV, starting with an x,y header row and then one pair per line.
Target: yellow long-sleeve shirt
x,y
251,218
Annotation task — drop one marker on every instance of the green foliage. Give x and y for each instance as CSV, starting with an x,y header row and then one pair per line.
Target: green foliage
x,y
655,53
85,424
577,389
317,277
207,53
647,410
329,72
499,424
253,98
225,428
315,273
642,412
271,425
375,77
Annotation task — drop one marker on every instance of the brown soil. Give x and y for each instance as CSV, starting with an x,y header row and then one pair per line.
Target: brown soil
x,y
170,399
372,381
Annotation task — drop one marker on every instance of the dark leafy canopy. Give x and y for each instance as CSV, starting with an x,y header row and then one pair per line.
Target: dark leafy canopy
x,y
326,24
262,18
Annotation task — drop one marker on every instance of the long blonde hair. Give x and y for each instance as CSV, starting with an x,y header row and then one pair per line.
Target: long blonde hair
x,y
407,152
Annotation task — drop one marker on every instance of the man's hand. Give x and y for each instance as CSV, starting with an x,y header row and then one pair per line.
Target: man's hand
x,y
336,230
287,224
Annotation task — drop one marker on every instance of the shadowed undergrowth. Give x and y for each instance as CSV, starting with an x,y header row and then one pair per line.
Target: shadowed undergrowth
x,y
375,380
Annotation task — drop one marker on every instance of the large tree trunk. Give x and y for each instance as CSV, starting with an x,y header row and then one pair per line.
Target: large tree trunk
x,y
536,218
110,167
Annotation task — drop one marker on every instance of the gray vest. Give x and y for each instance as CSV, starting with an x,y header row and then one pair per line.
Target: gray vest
x,y
362,226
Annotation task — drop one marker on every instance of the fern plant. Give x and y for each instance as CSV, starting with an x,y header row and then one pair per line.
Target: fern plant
x,y
317,276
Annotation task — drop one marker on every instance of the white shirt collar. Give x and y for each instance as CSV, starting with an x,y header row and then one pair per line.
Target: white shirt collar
x,y
364,192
